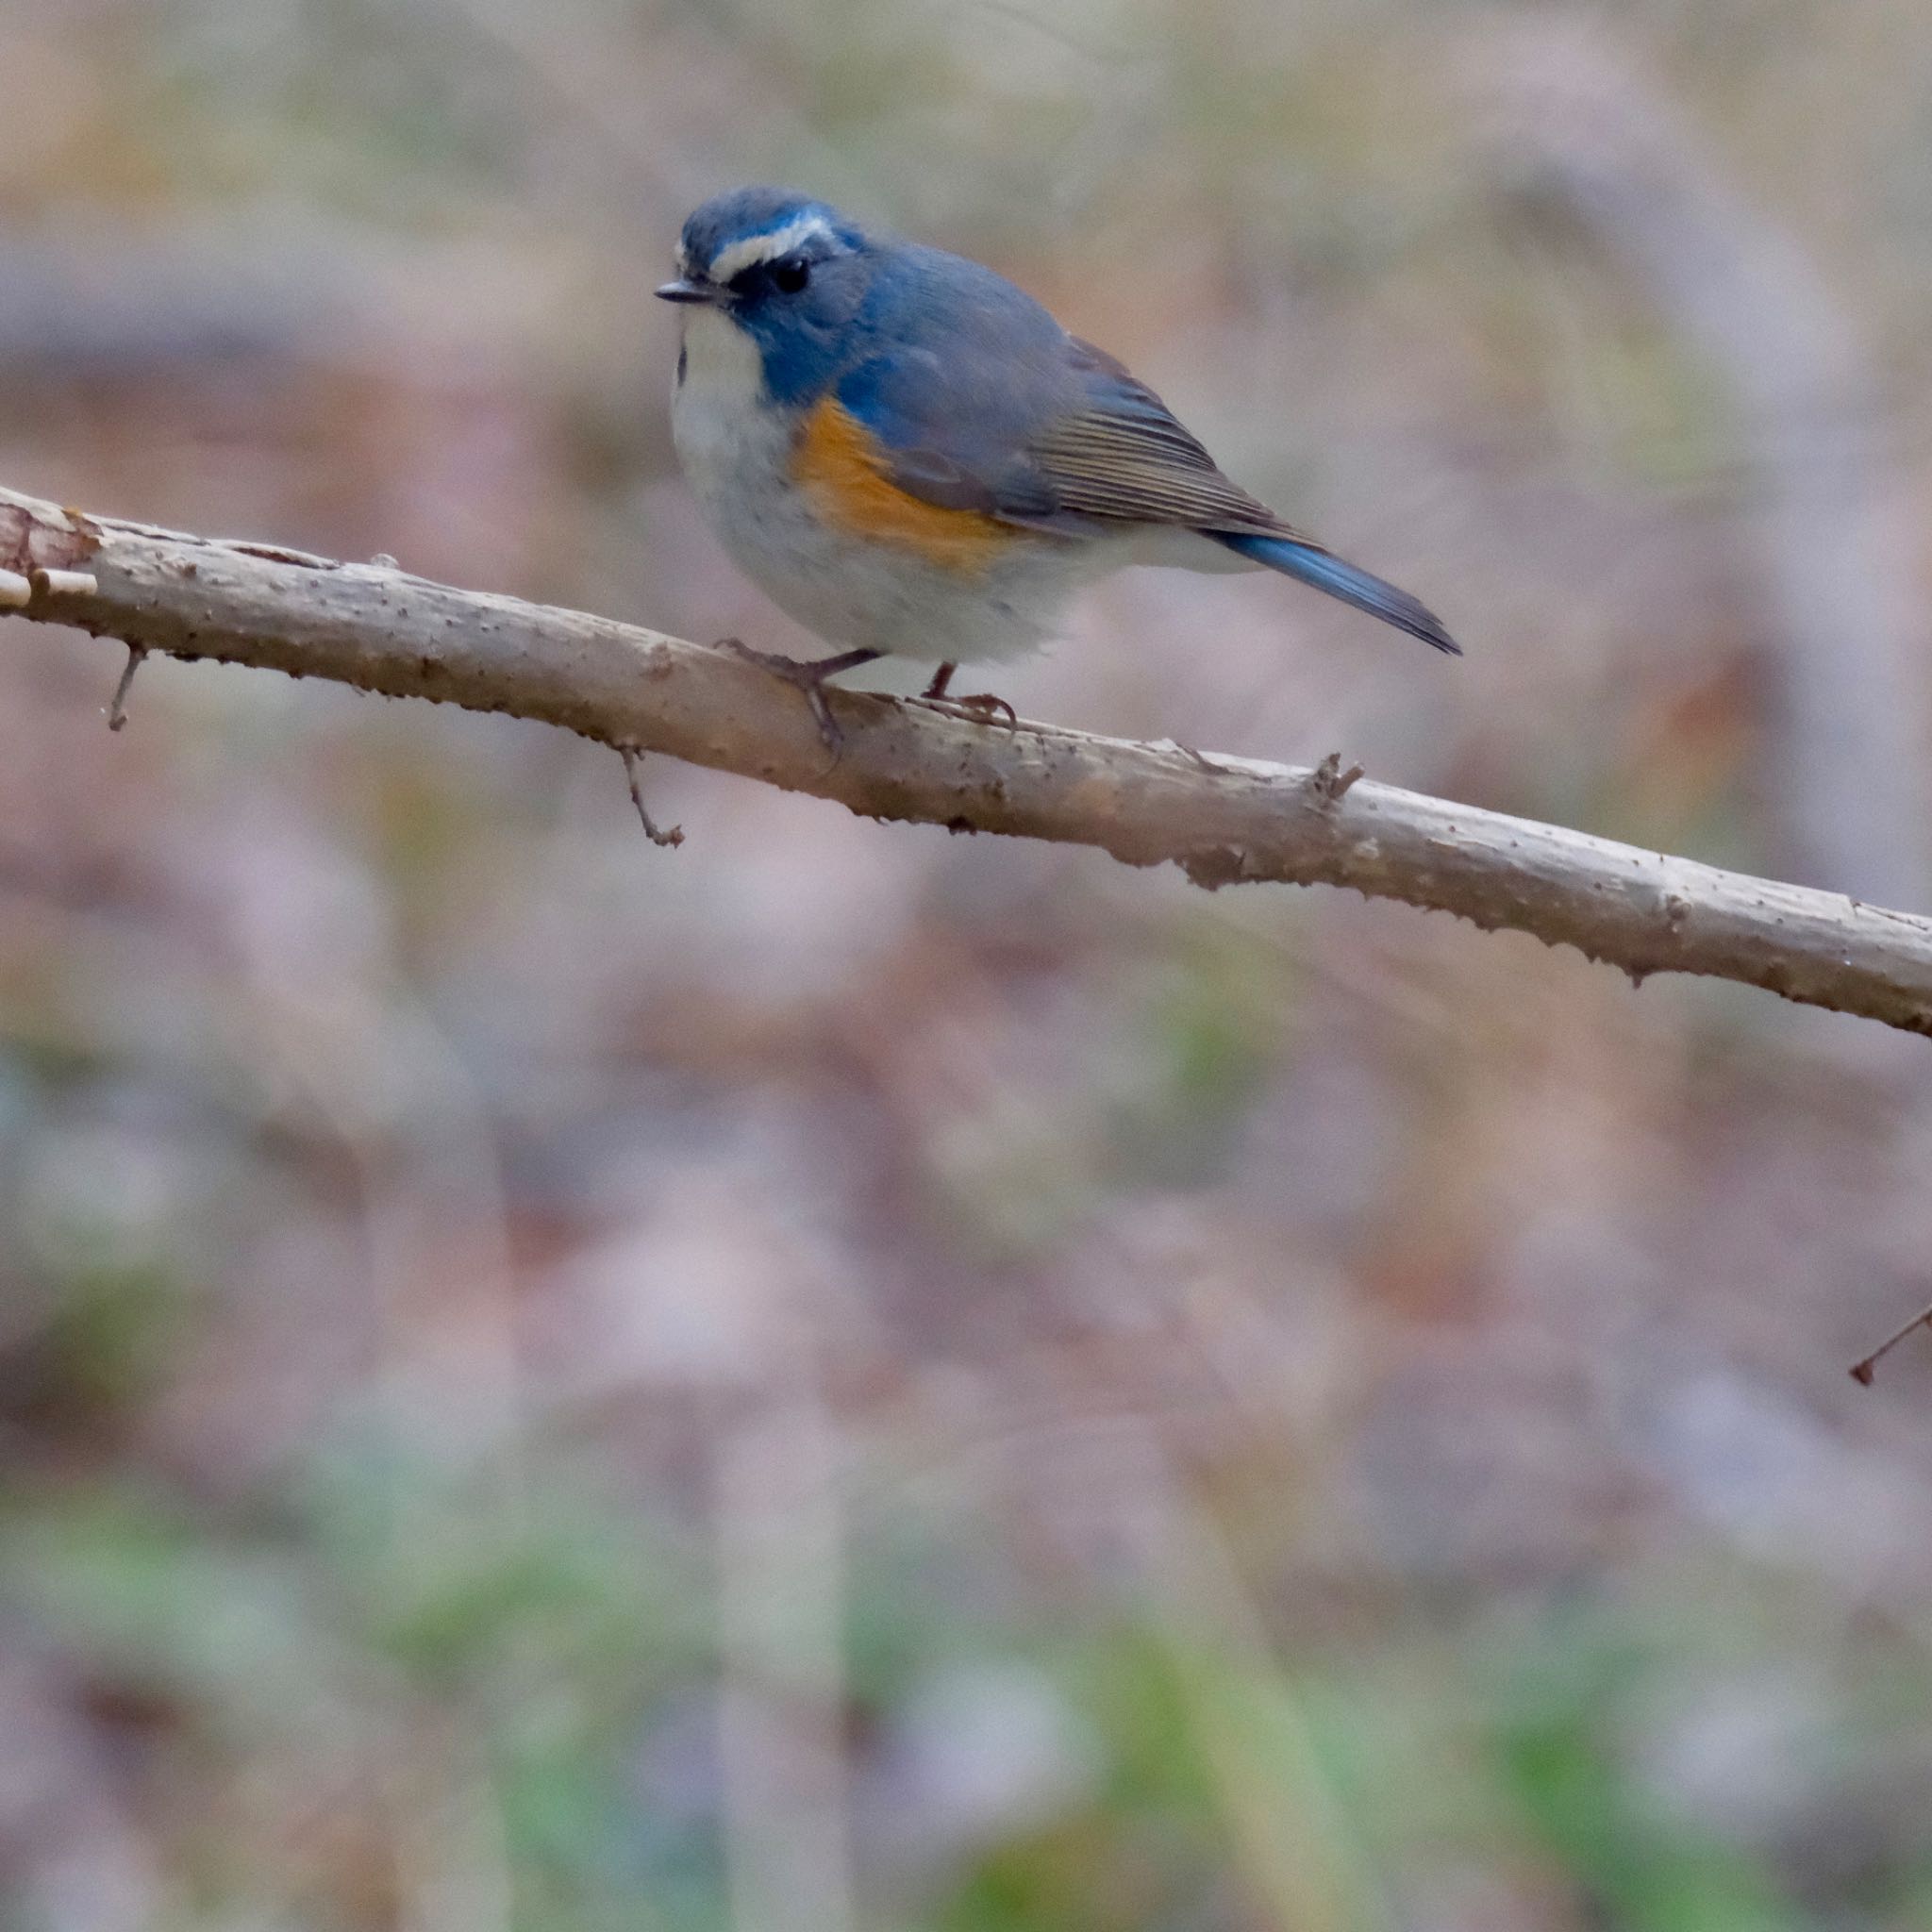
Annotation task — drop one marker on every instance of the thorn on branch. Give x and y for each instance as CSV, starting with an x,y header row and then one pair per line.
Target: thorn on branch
x,y
1862,1371
1198,760
633,769
1330,783
117,708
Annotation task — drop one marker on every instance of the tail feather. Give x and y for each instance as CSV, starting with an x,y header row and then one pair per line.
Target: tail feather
x,y
1326,572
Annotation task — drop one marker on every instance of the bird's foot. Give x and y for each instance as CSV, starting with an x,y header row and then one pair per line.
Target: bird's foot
x,y
807,676
982,706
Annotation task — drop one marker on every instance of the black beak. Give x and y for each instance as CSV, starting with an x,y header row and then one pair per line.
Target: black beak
x,y
684,289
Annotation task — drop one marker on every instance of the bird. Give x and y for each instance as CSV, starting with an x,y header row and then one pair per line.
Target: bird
x,y
908,454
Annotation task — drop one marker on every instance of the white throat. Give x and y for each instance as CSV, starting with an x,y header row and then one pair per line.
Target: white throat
x,y
719,418
721,360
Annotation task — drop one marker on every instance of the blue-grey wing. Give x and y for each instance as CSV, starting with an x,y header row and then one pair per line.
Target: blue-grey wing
x,y
1123,455
978,400
981,400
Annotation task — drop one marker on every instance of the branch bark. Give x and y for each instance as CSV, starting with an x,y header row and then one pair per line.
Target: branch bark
x,y
1222,821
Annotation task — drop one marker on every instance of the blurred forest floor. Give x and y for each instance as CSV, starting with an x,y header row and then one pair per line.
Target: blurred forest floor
x,y
841,1377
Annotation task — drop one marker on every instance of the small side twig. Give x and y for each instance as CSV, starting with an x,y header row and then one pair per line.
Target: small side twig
x,y
117,708
1861,1372
633,769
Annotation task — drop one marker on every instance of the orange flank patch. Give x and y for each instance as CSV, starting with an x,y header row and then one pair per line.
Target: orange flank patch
x,y
838,463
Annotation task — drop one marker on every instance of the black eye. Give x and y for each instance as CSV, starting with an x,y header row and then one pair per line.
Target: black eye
x,y
791,275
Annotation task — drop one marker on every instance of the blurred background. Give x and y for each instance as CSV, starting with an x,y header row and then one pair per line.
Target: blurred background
x,y
842,1378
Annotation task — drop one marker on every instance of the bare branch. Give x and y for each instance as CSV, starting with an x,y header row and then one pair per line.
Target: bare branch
x,y
1224,822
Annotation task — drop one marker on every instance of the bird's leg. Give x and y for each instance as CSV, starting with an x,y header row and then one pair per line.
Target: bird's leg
x,y
983,704
809,676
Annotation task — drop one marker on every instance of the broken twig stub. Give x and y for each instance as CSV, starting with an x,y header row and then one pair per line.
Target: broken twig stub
x,y
1330,783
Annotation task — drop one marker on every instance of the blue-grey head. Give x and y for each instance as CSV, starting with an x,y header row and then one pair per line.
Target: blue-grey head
x,y
789,271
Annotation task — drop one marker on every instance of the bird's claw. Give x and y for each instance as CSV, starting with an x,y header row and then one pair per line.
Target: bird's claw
x,y
982,706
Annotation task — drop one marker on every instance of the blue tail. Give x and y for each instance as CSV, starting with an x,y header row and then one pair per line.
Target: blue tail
x,y
1326,572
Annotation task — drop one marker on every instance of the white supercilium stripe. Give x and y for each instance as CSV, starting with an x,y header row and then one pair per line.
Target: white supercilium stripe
x,y
755,249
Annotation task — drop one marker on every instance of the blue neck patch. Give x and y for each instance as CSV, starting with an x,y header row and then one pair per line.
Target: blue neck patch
x,y
800,361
